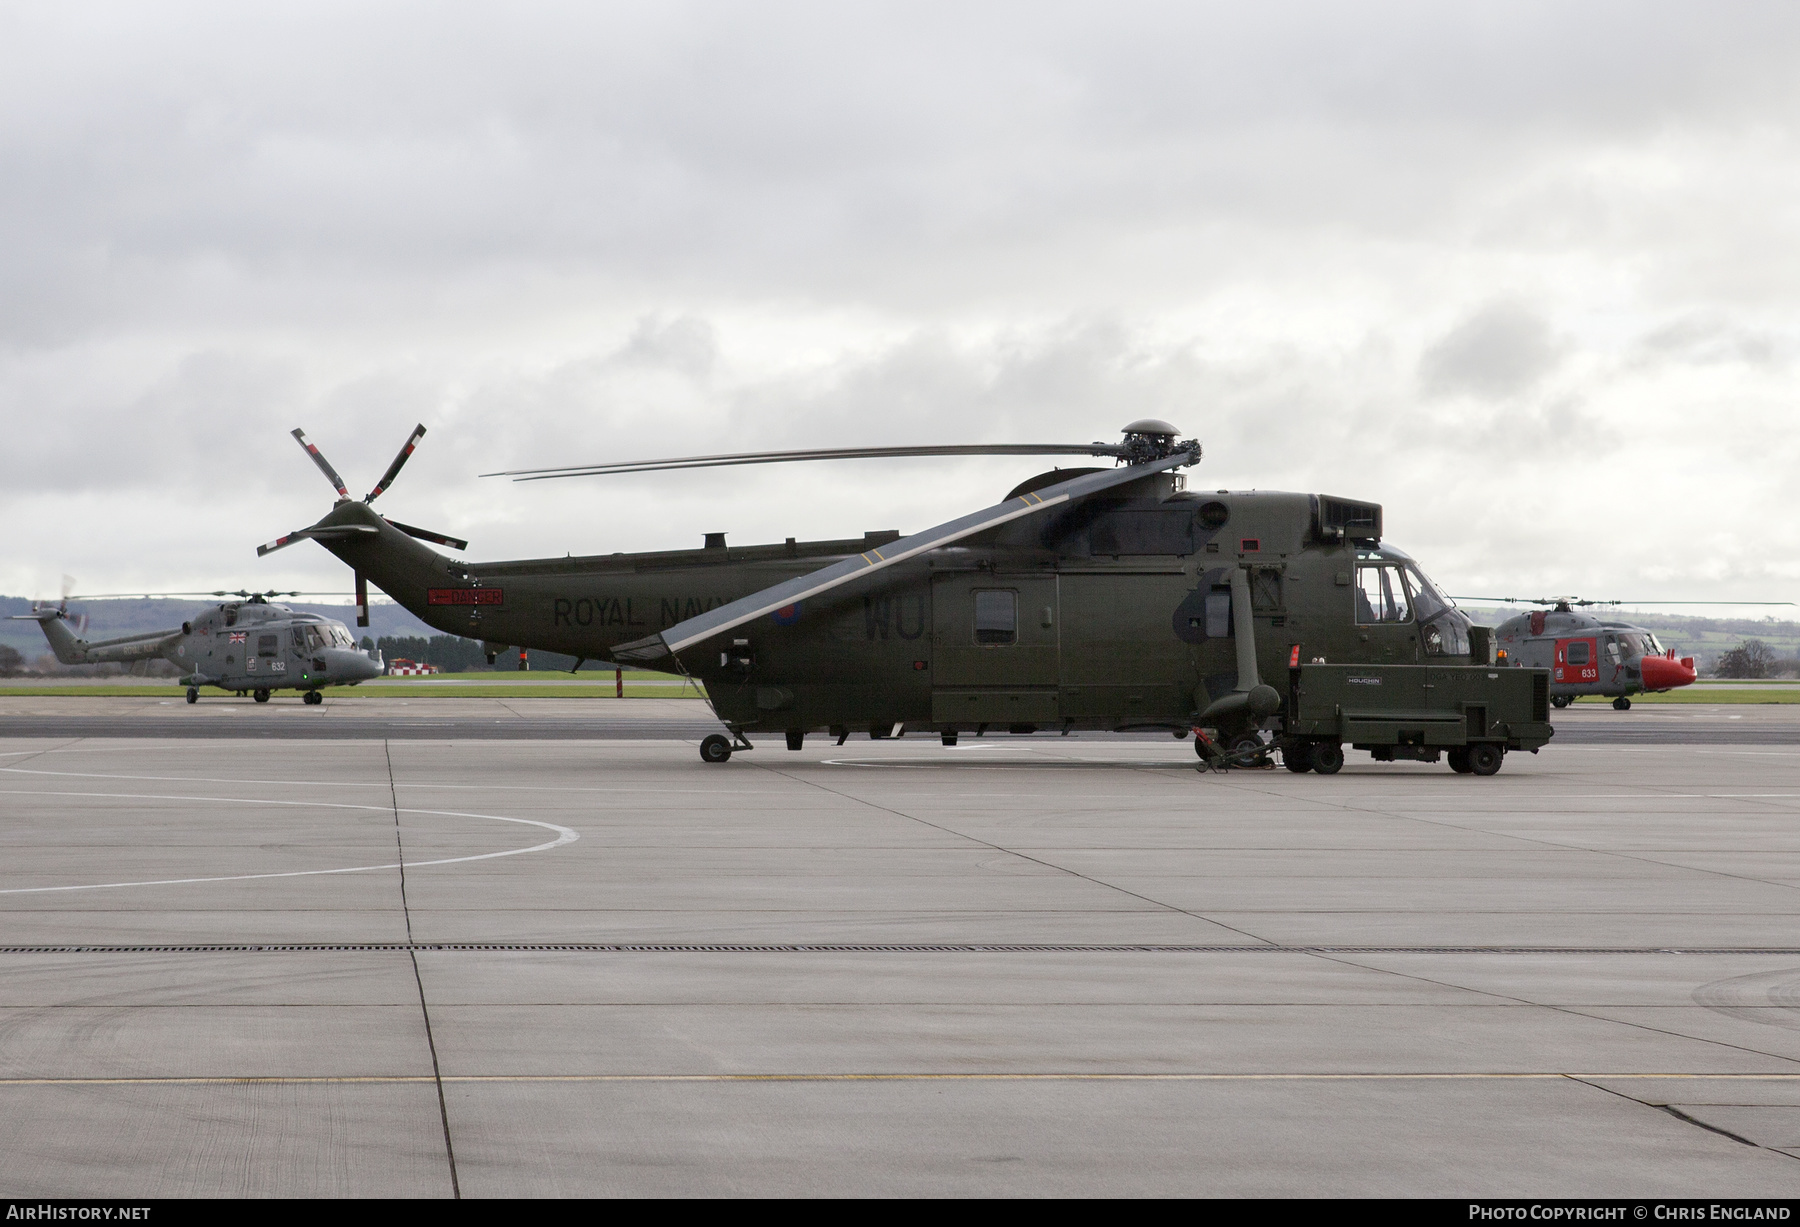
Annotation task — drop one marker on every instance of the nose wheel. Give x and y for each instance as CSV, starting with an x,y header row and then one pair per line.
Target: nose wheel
x,y
261,696
313,698
193,694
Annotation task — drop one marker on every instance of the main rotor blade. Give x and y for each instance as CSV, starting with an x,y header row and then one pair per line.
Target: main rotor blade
x,y
324,464
281,543
827,453
393,470
425,534
140,596
749,608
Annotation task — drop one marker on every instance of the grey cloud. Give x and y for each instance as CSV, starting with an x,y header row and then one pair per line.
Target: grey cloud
x,y
1501,350
1709,338
861,151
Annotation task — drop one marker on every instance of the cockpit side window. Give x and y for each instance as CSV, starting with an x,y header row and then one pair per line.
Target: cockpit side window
x,y
1381,596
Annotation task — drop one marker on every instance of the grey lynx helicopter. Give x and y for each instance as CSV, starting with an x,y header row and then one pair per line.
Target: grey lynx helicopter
x,y
249,646
1589,655
1087,598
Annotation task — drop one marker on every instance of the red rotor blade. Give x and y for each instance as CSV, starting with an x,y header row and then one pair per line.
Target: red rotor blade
x,y
280,543
324,464
393,470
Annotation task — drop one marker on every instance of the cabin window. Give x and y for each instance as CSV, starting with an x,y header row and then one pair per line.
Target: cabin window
x,y
996,616
1143,532
1579,652
1380,596
1218,615
268,645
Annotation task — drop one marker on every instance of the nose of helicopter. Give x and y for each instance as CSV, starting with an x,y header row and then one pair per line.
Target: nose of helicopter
x,y
1666,673
353,666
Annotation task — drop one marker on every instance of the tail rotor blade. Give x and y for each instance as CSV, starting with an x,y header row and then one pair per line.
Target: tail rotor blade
x,y
425,534
324,464
393,470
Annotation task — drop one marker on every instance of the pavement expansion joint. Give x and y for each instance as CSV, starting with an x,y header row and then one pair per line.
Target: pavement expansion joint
x,y
864,948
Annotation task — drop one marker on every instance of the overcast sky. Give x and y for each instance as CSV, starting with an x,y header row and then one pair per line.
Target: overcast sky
x,y
1528,275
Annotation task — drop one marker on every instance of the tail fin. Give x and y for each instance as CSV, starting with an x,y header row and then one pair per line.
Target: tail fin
x,y
55,623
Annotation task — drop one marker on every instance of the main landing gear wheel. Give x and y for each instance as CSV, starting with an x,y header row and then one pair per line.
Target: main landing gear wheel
x,y
193,694
715,748
1485,759
1622,703
1560,700
261,696
1459,760
1327,758
313,698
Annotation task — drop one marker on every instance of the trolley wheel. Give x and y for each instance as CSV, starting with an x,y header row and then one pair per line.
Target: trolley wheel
x,y
261,696
948,736
1560,700
796,738
1459,760
1485,758
1244,741
1297,758
1622,703
1327,757
715,748
313,698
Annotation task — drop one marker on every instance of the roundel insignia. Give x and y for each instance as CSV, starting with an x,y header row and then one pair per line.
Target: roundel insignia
x,y
787,615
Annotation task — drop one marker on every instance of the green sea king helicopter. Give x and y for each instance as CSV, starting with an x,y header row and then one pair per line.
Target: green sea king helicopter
x,y
250,646
1087,598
